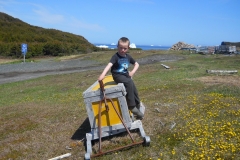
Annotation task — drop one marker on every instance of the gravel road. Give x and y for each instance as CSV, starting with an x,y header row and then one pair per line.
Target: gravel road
x,y
29,70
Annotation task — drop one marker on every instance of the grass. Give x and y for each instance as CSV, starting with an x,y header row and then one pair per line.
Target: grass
x,y
190,114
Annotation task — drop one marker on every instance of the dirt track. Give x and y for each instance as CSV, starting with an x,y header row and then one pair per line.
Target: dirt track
x,y
29,70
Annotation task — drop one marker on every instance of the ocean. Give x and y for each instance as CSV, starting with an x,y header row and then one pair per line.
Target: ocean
x,y
143,47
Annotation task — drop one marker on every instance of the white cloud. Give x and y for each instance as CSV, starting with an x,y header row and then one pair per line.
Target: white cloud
x,y
80,24
47,17
6,2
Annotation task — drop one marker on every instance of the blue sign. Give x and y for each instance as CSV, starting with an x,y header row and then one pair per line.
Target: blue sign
x,y
24,48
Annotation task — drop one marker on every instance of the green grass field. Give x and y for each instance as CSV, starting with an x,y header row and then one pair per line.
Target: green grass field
x,y
190,114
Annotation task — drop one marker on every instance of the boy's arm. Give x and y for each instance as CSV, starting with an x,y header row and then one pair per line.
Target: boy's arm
x,y
135,68
105,71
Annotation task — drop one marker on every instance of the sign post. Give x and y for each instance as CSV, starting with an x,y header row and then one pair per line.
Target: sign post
x,y
24,50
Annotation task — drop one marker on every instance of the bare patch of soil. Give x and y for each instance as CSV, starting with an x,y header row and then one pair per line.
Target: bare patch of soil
x,y
223,79
3,61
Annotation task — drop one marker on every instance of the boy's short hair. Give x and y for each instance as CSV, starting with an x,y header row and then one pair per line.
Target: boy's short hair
x,y
124,39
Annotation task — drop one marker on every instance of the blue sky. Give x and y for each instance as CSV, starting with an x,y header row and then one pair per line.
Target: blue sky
x,y
157,22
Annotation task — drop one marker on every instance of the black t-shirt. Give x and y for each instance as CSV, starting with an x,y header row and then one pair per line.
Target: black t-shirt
x,y
121,64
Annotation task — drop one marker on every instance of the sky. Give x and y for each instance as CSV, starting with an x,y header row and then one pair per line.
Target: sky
x,y
144,22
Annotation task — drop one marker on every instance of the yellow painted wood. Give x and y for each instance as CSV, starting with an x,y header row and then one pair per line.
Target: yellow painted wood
x,y
107,81
107,118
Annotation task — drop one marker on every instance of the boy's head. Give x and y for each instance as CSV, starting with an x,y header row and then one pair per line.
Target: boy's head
x,y
123,45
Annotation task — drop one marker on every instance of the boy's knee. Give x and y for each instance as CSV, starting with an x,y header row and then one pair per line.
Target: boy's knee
x,y
131,107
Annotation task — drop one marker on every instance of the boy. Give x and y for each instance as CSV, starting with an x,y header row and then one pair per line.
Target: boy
x,y
119,64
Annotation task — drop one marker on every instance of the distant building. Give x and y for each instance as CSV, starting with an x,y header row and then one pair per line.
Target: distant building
x,y
206,49
225,47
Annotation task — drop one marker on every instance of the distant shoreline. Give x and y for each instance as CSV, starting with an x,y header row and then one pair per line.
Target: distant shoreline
x,y
143,47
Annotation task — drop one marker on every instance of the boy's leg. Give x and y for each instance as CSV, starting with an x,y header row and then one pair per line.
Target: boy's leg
x,y
129,86
132,94
136,97
136,109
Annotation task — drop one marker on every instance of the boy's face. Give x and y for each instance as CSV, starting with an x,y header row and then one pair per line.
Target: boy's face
x,y
123,48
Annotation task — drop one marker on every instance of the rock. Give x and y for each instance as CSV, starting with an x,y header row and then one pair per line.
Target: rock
x,y
180,45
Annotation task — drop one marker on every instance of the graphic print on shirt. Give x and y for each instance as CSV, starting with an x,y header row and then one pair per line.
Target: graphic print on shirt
x,y
123,65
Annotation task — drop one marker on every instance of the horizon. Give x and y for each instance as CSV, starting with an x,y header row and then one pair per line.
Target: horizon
x,y
206,23
133,43
154,44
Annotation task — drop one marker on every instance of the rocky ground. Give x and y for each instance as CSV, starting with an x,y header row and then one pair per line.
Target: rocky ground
x,y
29,70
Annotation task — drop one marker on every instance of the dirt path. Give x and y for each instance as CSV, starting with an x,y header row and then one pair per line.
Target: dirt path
x,y
29,70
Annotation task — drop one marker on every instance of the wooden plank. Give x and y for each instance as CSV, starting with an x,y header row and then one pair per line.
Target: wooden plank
x,y
61,157
222,71
167,67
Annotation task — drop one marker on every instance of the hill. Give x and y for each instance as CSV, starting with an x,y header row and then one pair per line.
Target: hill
x,y
40,41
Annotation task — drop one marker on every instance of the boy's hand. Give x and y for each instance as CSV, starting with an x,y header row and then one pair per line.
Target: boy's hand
x,y
135,68
101,77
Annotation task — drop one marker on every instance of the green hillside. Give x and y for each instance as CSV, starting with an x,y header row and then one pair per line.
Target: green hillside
x,y
41,41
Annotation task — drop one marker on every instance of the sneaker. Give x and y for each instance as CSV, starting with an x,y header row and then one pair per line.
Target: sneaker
x,y
139,118
142,108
